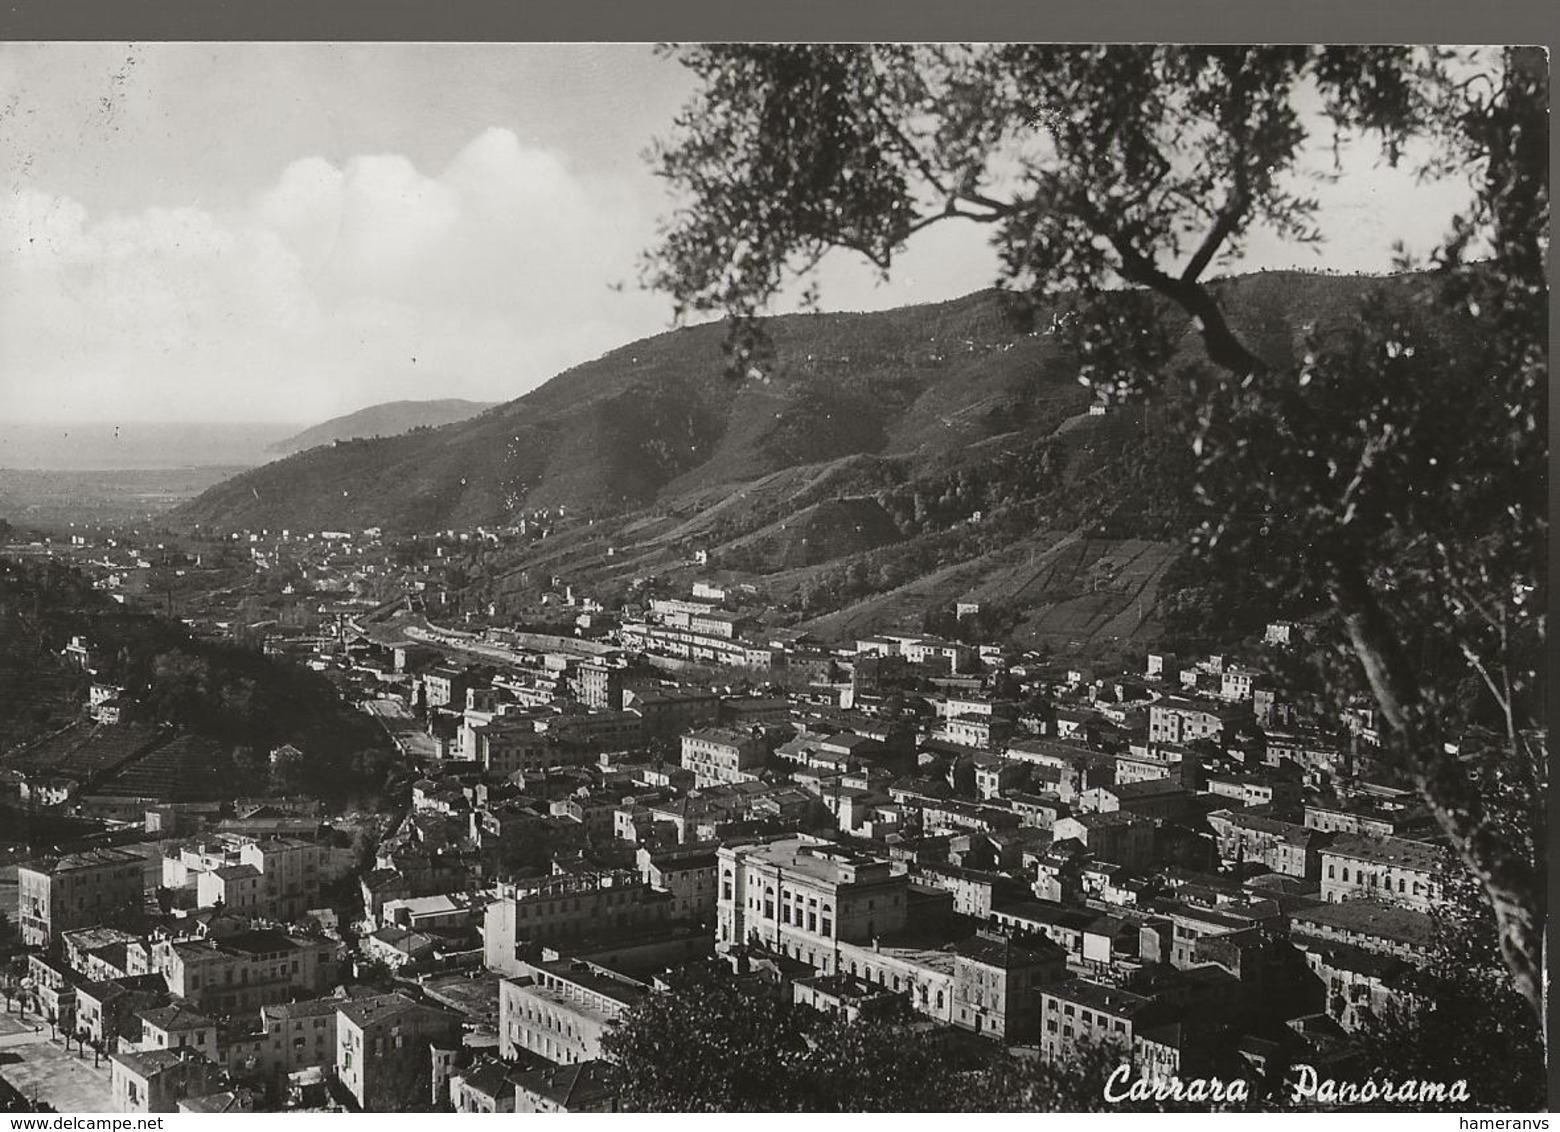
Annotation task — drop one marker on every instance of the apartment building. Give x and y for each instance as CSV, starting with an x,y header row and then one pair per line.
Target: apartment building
x,y
79,890
178,1027
384,1047
1080,1013
569,909
997,985
721,756
1281,846
1175,719
275,878
505,746
245,971
157,1080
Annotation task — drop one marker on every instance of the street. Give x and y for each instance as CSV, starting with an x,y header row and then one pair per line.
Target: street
x,y
39,1068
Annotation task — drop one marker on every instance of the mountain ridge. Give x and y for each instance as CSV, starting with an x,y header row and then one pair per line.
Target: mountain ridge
x,y
659,418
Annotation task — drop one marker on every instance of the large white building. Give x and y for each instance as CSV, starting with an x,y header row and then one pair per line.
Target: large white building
x,y
801,897
562,1010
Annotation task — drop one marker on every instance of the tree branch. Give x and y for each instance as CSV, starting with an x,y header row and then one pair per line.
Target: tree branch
x,y
1225,350
1229,217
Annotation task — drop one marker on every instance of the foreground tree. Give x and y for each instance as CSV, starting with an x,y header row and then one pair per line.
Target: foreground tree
x,y
1397,473
712,1043
707,1046
1469,1023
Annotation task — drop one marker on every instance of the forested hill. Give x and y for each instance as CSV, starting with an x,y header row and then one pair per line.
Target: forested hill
x,y
389,419
660,418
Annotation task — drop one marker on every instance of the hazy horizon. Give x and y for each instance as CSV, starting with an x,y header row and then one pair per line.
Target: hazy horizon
x,y
86,446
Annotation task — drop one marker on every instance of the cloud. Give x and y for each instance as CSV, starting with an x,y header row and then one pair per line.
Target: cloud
x,y
334,287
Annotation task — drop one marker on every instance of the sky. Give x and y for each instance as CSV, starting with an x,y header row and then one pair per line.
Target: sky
x,y
283,232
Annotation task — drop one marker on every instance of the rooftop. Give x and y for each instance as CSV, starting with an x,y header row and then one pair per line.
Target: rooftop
x,y
1098,996
845,987
568,1086
233,1100
376,1008
1147,788
308,1008
597,980
176,1018
823,861
149,1063
994,951
235,872
720,735
1367,917
1043,912
86,859
1389,851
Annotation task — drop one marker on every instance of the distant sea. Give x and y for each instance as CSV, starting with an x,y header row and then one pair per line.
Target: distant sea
x,y
138,445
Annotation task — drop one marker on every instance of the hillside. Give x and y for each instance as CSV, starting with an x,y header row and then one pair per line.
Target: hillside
x,y
659,419
389,419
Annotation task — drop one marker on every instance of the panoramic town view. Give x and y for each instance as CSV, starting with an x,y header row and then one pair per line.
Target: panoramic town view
x,y
927,577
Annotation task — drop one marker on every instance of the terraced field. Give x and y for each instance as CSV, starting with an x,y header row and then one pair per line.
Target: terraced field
x,y
1120,580
1088,595
189,768
86,751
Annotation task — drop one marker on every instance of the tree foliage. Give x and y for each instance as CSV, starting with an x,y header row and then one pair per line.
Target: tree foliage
x,y
714,1043
1396,472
